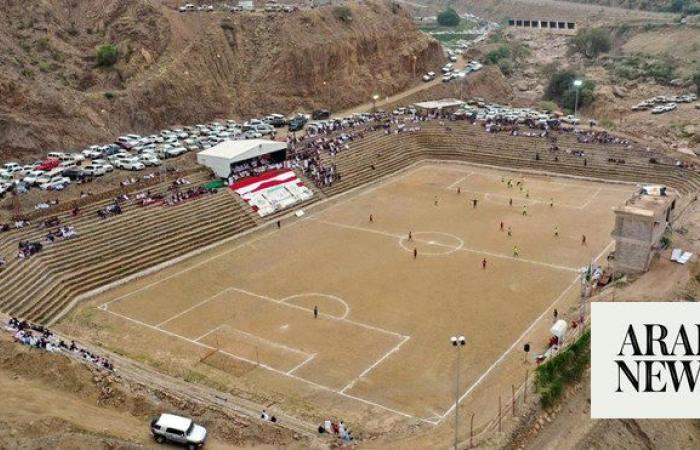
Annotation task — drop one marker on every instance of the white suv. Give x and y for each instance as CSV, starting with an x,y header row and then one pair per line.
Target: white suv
x,y
181,430
129,164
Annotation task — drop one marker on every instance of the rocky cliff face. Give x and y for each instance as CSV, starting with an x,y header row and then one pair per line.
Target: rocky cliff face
x,y
187,68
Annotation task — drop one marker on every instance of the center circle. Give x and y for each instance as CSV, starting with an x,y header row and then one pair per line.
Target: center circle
x,y
438,243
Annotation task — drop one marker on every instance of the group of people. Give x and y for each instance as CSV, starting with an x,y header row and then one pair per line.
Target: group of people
x,y
38,336
599,137
177,196
28,248
64,232
337,428
46,205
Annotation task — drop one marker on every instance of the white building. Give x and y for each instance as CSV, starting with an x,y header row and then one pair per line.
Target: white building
x,y
225,155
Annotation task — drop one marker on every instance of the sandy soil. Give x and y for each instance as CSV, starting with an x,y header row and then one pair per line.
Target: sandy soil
x,y
69,405
242,317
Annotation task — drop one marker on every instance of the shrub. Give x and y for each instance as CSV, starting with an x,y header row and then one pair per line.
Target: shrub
x,y
696,79
677,5
663,70
506,66
448,18
107,55
343,13
546,105
591,42
494,56
109,95
565,368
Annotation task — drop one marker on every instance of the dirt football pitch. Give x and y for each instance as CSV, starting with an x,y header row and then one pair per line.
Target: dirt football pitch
x,y
379,352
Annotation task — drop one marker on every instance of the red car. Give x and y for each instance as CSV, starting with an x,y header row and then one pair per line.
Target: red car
x,y
49,164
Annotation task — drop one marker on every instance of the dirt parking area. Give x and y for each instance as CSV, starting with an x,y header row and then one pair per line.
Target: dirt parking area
x,y
379,352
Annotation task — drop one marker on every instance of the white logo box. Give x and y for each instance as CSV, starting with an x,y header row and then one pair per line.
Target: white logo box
x,y
639,393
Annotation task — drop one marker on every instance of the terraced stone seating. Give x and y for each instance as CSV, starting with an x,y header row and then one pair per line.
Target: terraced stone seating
x,y
42,287
379,154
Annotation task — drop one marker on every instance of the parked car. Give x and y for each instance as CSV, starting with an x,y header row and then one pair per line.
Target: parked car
x,y
92,152
94,170
129,164
177,429
74,173
321,114
32,177
49,164
252,134
56,183
149,159
297,122
276,120
571,119
104,163
169,151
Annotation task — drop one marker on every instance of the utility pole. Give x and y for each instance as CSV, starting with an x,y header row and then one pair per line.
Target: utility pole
x,y
457,342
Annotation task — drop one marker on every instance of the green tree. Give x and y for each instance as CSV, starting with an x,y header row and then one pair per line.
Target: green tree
x,y
107,55
561,89
448,18
591,42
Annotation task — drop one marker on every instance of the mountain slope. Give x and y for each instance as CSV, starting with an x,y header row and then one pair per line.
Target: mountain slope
x,y
186,68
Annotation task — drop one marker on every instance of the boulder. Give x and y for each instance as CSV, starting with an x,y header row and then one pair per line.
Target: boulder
x,y
521,85
677,82
619,91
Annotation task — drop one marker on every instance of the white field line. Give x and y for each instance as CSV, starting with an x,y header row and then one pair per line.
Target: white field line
x,y
182,313
321,314
383,182
456,183
376,363
521,199
510,349
524,173
464,249
588,202
213,330
303,363
317,294
272,369
269,342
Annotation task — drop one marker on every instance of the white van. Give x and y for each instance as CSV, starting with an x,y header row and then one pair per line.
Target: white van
x,y
55,155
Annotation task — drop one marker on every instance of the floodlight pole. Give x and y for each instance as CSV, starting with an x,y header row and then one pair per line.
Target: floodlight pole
x,y
577,85
457,343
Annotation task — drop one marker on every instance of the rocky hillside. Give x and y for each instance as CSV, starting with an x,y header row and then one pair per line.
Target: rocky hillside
x,y
187,68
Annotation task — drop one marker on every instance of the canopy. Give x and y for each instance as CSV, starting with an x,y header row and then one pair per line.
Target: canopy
x,y
220,157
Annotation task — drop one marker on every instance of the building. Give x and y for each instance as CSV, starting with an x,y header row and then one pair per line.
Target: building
x,y
639,226
542,24
446,105
224,156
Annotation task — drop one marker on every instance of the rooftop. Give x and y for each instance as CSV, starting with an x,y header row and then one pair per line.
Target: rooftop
x,y
651,201
243,149
439,104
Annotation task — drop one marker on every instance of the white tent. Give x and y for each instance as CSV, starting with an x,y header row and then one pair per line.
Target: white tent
x,y
220,157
